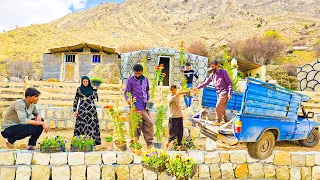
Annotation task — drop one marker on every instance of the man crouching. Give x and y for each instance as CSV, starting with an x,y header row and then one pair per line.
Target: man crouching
x,y
22,119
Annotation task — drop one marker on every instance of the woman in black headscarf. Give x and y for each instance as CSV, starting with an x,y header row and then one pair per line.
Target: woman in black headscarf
x,y
86,113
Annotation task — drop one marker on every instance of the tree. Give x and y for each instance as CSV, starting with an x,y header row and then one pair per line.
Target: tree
x,y
227,66
258,50
317,48
20,68
198,48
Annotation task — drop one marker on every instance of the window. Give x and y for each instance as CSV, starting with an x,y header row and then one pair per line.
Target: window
x,y
70,58
96,58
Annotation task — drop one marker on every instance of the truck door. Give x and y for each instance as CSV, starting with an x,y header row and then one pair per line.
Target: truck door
x,y
302,129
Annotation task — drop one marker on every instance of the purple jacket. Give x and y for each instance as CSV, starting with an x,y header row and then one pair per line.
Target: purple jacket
x,y
140,91
221,82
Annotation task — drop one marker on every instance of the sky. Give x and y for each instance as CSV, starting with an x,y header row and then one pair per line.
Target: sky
x,y
26,12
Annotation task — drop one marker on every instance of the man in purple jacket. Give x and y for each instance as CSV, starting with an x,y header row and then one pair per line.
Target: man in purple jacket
x,y
138,86
223,85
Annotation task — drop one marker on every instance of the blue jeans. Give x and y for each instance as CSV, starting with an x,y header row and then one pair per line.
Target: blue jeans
x,y
188,100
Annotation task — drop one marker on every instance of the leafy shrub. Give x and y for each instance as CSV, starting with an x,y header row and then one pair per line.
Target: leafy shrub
x,y
259,25
317,48
281,75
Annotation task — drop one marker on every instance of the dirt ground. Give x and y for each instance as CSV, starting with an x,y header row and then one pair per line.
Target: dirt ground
x,y
68,133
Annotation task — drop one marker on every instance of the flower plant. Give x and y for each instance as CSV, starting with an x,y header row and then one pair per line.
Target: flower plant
x,y
155,160
82,143
108,139
158,77
97,79
182,168
134,116
135,144
161,112
187,142
52,143
118,124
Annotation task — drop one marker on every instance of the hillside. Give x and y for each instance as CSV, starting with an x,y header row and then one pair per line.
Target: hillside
x,y
166,23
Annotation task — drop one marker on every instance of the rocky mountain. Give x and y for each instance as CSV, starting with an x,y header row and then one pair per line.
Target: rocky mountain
x,y
166,23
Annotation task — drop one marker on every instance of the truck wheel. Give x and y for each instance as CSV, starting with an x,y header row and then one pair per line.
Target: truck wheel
x,y
263,148
312,140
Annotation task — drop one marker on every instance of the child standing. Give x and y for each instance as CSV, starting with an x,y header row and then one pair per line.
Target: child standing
x,y
176,118
189,74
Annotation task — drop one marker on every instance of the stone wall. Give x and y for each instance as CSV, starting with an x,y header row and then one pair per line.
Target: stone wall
x,y
23,165
51,66
309,76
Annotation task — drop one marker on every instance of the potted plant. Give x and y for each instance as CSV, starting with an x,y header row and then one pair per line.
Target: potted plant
x,y
161,111
51,145
136,147
182,168
82,144
158,77
155,160
96,81
109,142
119,127
135,117
187,142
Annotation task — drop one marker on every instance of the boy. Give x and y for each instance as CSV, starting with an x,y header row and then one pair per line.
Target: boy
x,y
189,74
22,119
175,121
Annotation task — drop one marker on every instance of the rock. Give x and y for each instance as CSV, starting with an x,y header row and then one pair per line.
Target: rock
x,y
227,171
238,157
282,158
108,173
316,173
92,158
269,171
210,145
6,158
148,174
40,172
60,173
298,160
41,158
137,159
224,157
204,171
164,176
123,172
310,160
194,132
212,158
136,172
295,173
252,160
317,158
23,173
124,158
93,172
256,170
306,173
59,158
186,132
7,173
200,143
215,171
76,158
23,158
110,73
283,173
109,157
78,172
197,156
241,171
269,159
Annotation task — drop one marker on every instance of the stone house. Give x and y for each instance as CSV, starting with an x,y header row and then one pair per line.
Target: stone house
x,y
167,56
70,63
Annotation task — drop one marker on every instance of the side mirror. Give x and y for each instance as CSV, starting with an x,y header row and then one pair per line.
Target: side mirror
x,y
310,115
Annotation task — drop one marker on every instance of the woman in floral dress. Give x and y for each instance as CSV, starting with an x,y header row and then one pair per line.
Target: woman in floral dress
x,y
86,113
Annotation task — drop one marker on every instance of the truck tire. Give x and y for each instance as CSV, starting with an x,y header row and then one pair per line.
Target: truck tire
x,y
264,147
312,140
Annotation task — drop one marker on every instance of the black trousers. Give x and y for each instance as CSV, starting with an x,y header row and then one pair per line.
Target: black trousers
x,y
21,131
176,129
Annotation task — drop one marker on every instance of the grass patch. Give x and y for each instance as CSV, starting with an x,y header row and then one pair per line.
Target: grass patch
x,y
297,57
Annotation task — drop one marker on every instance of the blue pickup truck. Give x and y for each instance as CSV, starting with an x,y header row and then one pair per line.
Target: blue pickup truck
x,y
268,113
